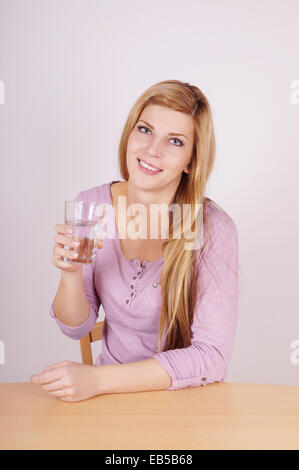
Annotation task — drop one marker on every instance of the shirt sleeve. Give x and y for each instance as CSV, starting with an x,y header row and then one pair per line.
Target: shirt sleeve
x,y
215,317
77,332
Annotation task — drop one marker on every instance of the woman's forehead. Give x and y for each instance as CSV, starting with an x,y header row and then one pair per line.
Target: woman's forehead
x,y
167,119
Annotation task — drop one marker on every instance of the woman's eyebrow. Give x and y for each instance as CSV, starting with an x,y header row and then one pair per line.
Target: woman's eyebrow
x,y
170,133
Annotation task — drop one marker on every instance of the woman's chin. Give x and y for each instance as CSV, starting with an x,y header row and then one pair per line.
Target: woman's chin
x,y
142,180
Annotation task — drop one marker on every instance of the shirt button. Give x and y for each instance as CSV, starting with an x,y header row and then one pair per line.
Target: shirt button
x,y
135,277
203,379
139,272
155,284
132,286
127,301
132,294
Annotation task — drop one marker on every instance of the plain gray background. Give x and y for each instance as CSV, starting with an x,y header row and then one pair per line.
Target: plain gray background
x,y
72,69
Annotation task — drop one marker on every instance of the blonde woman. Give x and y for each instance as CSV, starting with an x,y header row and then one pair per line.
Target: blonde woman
x,y
170,312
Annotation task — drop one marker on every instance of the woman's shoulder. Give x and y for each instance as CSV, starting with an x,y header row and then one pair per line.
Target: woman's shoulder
x,y
217,217
97,194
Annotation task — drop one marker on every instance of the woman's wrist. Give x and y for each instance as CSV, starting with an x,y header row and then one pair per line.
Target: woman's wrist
x,y
102,382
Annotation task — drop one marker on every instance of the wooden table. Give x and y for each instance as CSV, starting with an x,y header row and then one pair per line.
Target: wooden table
x,y
216,416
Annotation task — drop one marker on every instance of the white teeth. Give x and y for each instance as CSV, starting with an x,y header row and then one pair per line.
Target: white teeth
x,y
147,166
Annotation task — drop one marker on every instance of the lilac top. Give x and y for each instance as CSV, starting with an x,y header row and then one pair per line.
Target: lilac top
x,y
130,294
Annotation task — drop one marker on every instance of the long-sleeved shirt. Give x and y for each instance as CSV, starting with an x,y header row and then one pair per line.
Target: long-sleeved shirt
x,y
130,294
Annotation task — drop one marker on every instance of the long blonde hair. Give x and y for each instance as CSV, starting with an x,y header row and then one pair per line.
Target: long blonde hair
x,y
179,274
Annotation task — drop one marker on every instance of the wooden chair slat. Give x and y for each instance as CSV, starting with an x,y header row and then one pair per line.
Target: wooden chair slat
x,y
95,334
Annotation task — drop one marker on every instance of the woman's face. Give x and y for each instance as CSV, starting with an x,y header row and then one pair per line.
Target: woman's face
x,y
162,138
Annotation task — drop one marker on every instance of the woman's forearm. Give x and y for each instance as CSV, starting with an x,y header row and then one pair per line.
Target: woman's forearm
x,y
71,305
138,376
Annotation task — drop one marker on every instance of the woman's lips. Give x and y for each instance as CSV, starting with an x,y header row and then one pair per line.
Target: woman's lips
x,y
153,166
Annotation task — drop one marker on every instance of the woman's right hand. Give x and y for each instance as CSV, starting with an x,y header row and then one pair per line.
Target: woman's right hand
x,y
59,252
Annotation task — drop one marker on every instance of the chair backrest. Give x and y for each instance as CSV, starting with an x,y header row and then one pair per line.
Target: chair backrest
x,y
85,343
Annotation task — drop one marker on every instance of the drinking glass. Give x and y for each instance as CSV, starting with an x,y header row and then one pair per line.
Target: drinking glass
x,y
83,218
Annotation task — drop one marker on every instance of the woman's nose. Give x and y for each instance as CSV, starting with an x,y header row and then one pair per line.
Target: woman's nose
x,y
154,147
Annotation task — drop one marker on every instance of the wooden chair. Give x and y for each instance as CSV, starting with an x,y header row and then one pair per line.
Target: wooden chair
x,y
85,343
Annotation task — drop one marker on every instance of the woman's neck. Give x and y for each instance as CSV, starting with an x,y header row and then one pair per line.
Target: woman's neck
x,y
135,195
156,224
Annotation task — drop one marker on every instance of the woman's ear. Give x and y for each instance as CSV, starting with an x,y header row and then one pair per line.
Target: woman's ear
x,y
187,169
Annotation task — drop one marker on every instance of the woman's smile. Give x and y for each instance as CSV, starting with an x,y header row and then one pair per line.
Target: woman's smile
x,y
147,168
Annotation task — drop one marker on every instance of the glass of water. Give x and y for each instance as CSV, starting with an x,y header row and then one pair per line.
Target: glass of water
x,y
83,218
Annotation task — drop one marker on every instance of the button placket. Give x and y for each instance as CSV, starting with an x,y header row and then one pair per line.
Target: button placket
x,y
132,290
132,286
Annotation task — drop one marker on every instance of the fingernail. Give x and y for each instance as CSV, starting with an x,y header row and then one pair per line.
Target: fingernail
x,y
68,230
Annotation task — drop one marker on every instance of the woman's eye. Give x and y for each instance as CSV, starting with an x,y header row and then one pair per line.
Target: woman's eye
x,y
143,127
181,143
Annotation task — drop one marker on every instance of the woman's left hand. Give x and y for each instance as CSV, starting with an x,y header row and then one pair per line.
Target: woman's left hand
x,y
69,381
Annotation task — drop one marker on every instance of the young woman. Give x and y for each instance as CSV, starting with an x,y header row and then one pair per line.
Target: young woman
x,y
153,291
